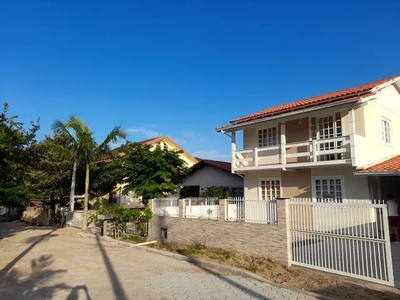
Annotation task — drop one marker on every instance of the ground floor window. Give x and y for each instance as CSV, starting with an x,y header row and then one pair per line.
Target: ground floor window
x,y
269,188
190,191
328,189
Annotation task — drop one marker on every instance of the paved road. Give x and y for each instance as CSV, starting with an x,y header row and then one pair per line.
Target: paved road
x,y
51,263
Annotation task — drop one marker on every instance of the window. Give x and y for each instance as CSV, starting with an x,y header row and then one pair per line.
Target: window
x,y
190,191
267,137
386,131
270,188
165,147
328,189
325,128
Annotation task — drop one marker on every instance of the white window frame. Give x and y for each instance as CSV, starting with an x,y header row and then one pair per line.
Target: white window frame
x,y
383,131
314,188
333,115
268,144
270,179
329,145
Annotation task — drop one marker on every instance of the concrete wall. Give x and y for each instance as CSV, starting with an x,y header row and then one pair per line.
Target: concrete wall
x,y
209,176
75,218
36,214
256,239
7,210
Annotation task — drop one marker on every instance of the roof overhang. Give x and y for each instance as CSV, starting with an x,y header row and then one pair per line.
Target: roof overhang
x,y
232,127
389,173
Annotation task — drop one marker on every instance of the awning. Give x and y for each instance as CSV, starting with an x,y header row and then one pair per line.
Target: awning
x,y
390,167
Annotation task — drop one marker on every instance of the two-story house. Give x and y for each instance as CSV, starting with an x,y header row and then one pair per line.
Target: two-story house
x,y
326,147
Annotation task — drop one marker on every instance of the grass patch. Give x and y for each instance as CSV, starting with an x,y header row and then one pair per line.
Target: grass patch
x,y
134,239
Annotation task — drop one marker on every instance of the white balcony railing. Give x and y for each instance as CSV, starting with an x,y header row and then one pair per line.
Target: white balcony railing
x,y
300,154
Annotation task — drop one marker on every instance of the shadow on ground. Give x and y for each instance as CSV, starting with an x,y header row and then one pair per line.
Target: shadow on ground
x,y
115,283
9,229
33,241
229,281
356,293
40,283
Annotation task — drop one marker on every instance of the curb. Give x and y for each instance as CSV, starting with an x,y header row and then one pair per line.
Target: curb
x,y
203,263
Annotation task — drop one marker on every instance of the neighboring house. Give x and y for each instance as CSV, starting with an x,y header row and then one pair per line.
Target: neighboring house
x,y
340,145
208,173
166,143
163,142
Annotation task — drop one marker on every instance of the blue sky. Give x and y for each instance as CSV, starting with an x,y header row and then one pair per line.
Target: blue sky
x,y
182,68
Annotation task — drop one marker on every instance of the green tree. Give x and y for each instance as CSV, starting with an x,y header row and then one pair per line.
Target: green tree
x,y
217,191
150,173
85,149
15,158
49,176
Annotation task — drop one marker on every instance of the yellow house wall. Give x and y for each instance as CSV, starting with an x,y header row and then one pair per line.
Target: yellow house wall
x,y
183,156
386,105
298,184
355,187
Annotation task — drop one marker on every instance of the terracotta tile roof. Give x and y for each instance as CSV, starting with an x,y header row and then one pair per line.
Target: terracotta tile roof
x,y
364,90
388,166
117,152
218,164
222,165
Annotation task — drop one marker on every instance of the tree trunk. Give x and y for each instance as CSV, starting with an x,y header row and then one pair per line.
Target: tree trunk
x,y
72,193
86,200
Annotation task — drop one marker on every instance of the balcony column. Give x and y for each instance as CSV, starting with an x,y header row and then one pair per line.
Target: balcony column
x,y
283,145
233,147
352,131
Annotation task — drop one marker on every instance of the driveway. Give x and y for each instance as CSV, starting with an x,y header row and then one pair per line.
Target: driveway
x,y
54,263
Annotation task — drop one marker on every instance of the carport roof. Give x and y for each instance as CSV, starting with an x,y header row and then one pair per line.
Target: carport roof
x,y
387,167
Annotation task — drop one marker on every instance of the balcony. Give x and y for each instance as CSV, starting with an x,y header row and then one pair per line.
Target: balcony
x,y
323,152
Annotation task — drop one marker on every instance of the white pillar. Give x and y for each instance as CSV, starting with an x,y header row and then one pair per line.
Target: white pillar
x,y
352,129
233,147
283,145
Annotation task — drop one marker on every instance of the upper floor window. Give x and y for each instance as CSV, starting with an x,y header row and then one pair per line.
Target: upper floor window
x,y
326,127
386,131
267,137
165,147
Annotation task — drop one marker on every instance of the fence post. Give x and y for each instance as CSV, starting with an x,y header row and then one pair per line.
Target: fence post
x,y
283,219
182,208
152,205
222,210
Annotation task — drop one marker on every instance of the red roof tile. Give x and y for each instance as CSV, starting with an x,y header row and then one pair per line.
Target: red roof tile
x,y
224,166
388,166
342,95
218,164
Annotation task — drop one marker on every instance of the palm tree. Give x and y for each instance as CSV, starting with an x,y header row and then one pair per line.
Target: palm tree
x,y
85,150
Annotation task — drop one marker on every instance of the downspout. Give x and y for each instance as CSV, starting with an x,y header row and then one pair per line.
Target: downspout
x,y
352,138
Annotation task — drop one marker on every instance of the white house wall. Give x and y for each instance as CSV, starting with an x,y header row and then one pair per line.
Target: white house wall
x,y
209,176
369,146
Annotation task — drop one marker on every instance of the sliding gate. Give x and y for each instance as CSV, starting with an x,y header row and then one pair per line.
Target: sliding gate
x,y
349,238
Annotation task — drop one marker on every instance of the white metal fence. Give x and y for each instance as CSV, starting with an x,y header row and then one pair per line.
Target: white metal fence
x,y
350,238
166,207
207,208
137,228
251,210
